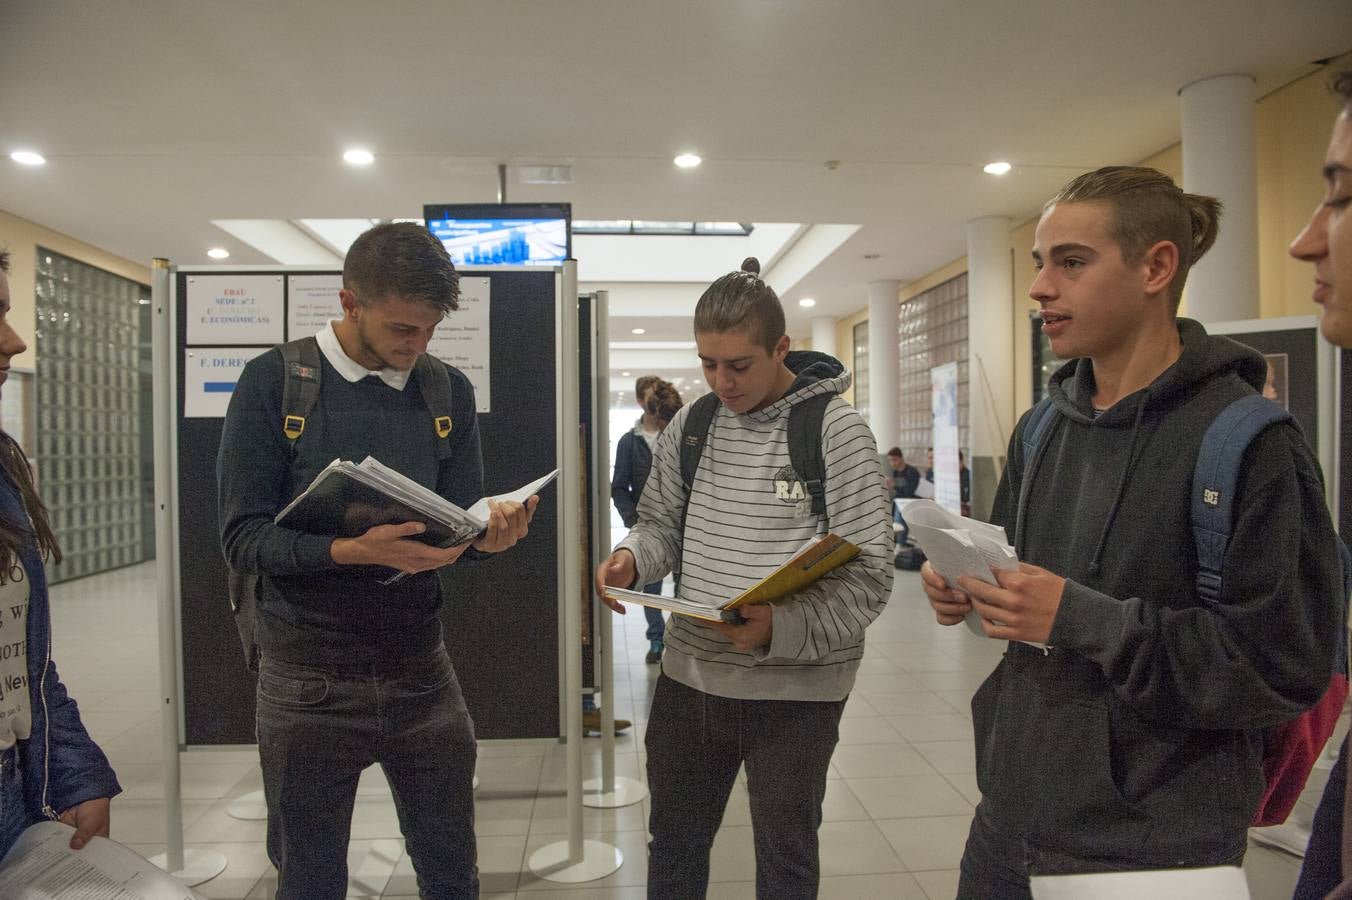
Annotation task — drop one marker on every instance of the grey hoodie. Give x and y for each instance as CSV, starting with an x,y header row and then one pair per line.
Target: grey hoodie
x,y
738,531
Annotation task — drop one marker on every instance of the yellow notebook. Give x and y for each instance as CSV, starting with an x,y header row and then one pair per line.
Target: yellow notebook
x,y
813,560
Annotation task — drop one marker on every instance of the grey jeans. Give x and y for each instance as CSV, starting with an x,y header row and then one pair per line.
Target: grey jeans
x,y
319,729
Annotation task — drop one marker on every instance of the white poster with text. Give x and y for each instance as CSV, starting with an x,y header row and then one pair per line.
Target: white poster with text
x,y
311,303
944,405
462,339
209,377
235,309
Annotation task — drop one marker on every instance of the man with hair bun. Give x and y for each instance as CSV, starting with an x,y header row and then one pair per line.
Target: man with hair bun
x,y
1134,740
767,693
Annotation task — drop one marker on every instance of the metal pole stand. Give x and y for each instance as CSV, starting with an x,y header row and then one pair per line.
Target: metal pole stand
x,y
572,861
192,867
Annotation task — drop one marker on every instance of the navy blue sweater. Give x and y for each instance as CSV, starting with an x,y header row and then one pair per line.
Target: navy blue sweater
x,y
311,610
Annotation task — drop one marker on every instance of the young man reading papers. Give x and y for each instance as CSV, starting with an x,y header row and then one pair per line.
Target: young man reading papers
x,y
353,671
1136,740
767,693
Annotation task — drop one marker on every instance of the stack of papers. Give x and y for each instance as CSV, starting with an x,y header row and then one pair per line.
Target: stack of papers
x,y
346,499
813,560
1217,883
957,545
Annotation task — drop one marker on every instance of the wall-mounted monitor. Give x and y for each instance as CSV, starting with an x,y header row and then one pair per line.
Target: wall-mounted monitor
x,y
503,234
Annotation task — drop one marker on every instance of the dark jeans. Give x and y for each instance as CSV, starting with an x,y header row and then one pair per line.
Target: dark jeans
x,y
997,863
1323,867
696,743
318,730
904,534
656,626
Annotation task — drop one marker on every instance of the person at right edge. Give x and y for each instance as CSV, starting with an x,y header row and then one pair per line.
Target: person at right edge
x,y
1327,243
1135,740
768,693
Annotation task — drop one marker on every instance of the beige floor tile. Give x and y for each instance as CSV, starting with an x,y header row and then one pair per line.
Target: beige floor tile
x,y
868,730
733,857
911,703
965,782
856,848
878,761
144,821
891,885
941,885
930,842
948,756
1271,874
550,816
500,861
949,726
908,796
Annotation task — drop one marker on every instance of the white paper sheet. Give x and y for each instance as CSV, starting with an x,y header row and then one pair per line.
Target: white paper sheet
x,y
41,866
1218,883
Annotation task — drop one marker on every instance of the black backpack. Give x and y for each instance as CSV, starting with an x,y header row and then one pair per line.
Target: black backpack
x,y
805,449
300,391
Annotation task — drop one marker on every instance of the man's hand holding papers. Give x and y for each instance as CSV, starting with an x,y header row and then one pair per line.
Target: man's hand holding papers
x,y
973,574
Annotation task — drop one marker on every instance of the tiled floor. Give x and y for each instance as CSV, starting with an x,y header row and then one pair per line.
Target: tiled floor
x,y
899,799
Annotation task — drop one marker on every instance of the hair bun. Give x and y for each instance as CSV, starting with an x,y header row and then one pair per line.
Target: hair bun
x,y
752,265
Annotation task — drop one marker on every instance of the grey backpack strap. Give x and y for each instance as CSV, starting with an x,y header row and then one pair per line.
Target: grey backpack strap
x,y
1035,432
1215,479
300,388
434,381
805,450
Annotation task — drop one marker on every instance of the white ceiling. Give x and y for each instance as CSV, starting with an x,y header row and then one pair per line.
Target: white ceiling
x,y
158,116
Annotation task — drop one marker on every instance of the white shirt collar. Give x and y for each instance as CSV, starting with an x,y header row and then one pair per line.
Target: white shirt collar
x,y
354,371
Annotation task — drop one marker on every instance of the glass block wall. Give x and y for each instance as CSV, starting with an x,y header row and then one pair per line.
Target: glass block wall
x,y
89,413
932,331
860,371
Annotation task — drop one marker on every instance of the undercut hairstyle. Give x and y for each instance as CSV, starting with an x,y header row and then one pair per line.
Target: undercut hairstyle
x,y
1341,84
4,260
1148,207
664,401
642,383
403,260
741,300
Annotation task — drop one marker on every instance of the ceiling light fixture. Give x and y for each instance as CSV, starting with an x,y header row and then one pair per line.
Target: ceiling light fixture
x,y
807,301
687,160
358,157
640,331
996,168
28,158
624,375
218,253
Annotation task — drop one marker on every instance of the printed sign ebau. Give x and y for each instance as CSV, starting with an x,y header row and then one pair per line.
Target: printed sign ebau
x,y
235,309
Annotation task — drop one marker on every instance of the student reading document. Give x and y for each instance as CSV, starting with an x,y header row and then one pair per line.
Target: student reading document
x,y
768,693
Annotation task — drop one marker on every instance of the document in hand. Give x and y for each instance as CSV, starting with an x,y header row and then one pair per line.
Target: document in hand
x,y
1216,883
41,866
956,545
348,498
814,559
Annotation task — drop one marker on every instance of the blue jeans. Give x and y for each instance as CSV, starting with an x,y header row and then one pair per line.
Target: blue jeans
x,y
997,863
14,816
319,729
1322,870
656,626
696,744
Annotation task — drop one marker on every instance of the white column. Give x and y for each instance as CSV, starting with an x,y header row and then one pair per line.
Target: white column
x,y
824,335
1219,160
990,354
883,374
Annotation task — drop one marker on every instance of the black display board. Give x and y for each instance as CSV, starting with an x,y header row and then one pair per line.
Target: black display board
x,y
501,615
1292,355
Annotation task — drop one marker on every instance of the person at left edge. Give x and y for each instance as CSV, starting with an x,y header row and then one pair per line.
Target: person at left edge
x,y
353,672
50,768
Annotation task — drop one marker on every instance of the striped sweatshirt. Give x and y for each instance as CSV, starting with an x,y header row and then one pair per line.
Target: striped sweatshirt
x,y
738,530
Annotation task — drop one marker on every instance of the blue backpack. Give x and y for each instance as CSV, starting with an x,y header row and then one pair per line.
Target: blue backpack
x,y
1291,748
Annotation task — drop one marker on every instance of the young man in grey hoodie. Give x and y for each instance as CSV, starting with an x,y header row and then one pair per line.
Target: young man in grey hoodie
x,y
1136,740
768,693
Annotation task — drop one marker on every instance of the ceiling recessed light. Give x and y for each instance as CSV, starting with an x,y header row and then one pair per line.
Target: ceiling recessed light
x,y
624,375
807,301
218,253
996,168
640,331
28,158
687,160
358,157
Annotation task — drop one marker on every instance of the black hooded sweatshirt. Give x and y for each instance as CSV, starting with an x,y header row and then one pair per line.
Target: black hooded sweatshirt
x,y
1138,739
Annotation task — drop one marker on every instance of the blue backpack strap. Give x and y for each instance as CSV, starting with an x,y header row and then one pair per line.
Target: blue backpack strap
x,y
805,450
1035,431
1215,479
